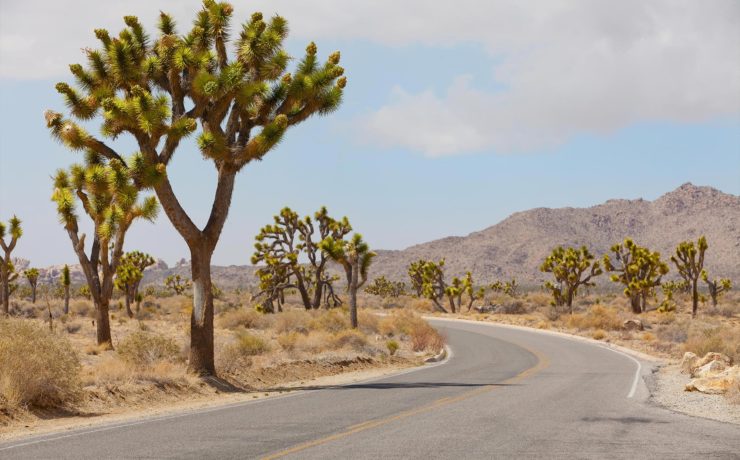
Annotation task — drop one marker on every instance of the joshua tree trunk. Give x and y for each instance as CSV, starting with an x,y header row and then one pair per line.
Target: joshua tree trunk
x,y
354,281
569,300
635,303
33,293
201,319
102,324
6,293
694,298
127,299
66,300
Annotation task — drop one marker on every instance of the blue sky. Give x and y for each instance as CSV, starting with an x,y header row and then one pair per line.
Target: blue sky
x,y
438,135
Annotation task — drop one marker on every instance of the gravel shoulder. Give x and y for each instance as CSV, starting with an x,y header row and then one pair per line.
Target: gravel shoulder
x,y
666,386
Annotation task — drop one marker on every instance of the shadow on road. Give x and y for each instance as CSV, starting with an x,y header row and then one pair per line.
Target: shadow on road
x,y
625,420
391,386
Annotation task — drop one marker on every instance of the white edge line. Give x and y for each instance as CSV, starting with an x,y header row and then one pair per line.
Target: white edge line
x,y
574,338
296,392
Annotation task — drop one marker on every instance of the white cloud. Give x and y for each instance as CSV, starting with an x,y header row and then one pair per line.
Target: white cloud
x,y
568,67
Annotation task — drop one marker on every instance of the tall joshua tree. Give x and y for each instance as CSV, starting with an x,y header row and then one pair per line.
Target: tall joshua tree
x,y
689,261
66,281
355,256
572,268
159,91
15,232
108,192
32,275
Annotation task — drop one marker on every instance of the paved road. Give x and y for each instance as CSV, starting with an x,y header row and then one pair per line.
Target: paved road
x,y
505,393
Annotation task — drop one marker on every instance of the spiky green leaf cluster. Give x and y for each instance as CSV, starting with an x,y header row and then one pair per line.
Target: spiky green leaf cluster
x,y
571,268
385,288
637,268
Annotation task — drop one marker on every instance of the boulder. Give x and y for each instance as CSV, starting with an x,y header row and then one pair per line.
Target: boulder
x,y
485,308
716,384
688,362
633,324
712,356
710,369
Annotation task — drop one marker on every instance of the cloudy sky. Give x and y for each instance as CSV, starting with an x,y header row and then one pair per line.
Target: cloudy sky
x,y
456,114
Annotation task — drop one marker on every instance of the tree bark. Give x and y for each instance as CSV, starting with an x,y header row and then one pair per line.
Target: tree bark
x,y
635,303
33,293
66,300
102,324
354,281
201,318
127,299
694,298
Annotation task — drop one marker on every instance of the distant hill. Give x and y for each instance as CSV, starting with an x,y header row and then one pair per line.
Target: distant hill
x,y
516,246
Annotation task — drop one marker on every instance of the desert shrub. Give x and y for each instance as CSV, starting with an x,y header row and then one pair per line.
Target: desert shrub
x,y
597,317
648,336
72,328
405,322
288,340
552,313
292,321
144,349
516,307
250,345
369,323
242,317
315,342
674,333
423,305
351,338
539,299
39,368
392,347
720,339
426,339
330,321
598,334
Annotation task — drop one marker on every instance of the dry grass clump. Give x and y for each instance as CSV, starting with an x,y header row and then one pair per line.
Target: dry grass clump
x,y
143,349
423,336
247,344
243,317
334,320
423,305
676,332
597,317
598,334
720,339
39,368
111,370
292,321
350,338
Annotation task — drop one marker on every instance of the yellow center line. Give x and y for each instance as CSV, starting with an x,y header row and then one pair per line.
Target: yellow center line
x,y
542,363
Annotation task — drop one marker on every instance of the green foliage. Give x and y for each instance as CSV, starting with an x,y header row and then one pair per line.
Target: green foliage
x,y
7,270
669,288
510,288
177,284
84,291
638,269
66,278
571,268
281,245
392,347
32,275
717,287
385,288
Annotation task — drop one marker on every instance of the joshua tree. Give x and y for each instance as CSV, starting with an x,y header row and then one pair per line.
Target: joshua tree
x,y
638,269
274,279
355,256
66,281
32,275
689,261
385,288
669,288
15,231
177,284
717,287
281,244
428,279
108,191
510,288
572,268
129,274
159,90
416,275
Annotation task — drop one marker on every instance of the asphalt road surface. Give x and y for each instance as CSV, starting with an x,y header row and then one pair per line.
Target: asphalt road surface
x,y
504,393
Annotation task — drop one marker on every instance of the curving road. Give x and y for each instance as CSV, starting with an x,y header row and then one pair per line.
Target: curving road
x,y
504,393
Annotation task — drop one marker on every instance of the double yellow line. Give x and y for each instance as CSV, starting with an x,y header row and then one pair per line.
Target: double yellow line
x,y
542,363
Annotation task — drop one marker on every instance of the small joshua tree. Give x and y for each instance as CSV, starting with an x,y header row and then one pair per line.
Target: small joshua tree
x,y
638,269
355,256
716,287
129,274
66,281
428,280
669,288
15,232
32,275
12,276
177,284
572,268
280,245
689,261
510,288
